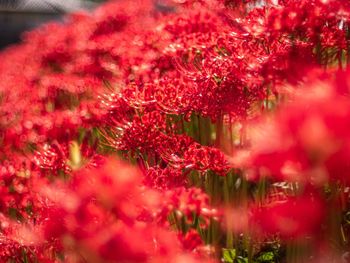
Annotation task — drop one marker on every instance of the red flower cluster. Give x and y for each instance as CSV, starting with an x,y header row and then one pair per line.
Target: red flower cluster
x,y
235,114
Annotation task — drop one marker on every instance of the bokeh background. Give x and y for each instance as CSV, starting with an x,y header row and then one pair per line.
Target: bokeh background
x,y
18,16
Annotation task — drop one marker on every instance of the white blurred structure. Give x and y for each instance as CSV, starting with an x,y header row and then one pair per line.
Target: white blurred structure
x,y
46,6
18,16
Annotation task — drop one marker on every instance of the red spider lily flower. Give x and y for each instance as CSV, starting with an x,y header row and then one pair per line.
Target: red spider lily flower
x,y
191,240
204,158
293,217
164,179
112,195
306,140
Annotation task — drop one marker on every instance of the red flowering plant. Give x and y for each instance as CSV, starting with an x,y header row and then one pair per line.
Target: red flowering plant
x,y
184,131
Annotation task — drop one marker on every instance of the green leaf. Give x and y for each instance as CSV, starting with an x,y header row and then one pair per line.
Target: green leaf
x,y
242,260
266,257
228,255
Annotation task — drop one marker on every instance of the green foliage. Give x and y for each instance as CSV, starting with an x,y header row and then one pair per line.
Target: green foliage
x,y
266,257
228,255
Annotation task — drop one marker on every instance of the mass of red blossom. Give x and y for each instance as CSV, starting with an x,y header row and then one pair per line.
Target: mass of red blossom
x,y
179,131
